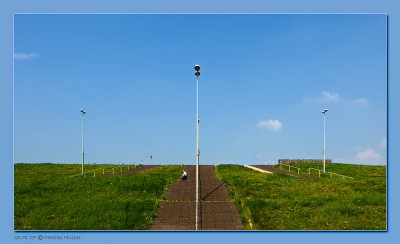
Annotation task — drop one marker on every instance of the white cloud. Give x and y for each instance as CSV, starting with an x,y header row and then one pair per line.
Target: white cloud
x,y
271,124
361,101
382,144
369,156
330,96
323,97
25,56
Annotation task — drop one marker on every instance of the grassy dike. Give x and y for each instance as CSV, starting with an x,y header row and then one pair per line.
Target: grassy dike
x,y
282,202
45,198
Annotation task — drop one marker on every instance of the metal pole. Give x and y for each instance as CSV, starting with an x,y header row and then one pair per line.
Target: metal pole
x,y
197,155
83,153
324,143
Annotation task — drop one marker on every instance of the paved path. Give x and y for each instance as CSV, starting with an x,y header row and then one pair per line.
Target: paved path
x,y
216,211
258,169
271,169
131,171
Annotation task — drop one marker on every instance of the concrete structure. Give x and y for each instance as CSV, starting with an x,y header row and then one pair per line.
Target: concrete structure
x,y
290,161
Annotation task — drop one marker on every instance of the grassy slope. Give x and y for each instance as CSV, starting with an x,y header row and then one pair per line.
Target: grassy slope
x,y
45,198
281,202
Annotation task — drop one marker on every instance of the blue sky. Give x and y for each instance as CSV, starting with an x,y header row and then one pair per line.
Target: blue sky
x,y
264,81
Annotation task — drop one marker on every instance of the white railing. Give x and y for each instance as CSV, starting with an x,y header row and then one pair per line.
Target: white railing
x,y
319,171
113,170
298,169
330,173
343,176
84,174
121,167
94,172
75,175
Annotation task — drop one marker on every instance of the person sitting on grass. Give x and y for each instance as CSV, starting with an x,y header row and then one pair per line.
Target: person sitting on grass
x,y
183,176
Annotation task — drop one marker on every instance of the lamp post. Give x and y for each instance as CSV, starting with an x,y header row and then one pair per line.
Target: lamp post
x,y
323,112
197,74
83,153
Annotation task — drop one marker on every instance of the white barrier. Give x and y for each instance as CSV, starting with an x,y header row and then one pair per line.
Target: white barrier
x,y
84,174
330,173
298,169
113,170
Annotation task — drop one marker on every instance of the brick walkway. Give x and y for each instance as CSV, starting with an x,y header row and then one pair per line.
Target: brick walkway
x,y
216,211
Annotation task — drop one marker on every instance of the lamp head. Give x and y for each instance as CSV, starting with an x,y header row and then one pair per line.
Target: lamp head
x,y
82,111
197,73
325,110
197,67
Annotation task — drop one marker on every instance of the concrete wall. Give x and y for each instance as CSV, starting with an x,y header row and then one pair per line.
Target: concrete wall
x,y
290,161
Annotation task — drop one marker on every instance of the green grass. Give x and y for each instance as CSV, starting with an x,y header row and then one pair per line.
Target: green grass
x,y
352,170
282,202
45,198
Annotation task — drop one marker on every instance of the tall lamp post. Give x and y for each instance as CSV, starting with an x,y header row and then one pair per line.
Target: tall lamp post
x,y
323,112
197,74
83,153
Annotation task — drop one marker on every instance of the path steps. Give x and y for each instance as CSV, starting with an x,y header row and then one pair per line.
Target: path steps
x,y
216,211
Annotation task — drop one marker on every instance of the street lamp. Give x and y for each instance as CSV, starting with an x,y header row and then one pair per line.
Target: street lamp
x,y
83,153
197,74
325,110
